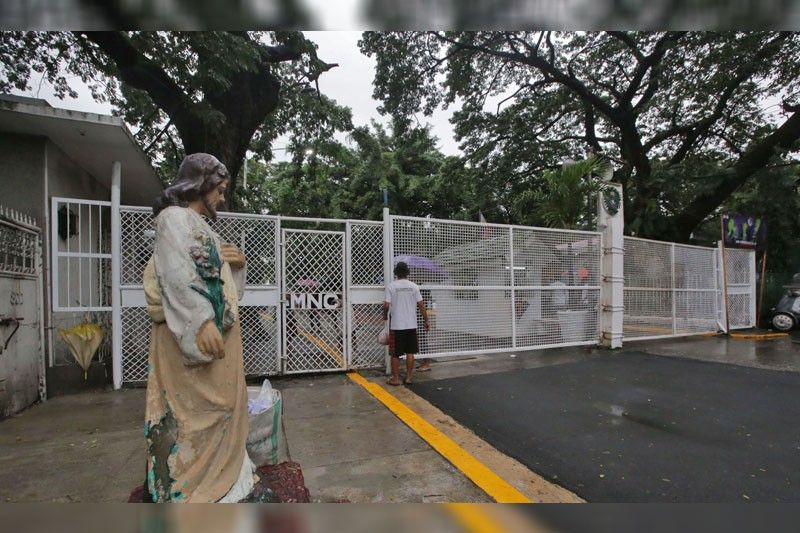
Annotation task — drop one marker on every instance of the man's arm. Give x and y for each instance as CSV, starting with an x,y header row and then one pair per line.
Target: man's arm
x,y
386,311
422,309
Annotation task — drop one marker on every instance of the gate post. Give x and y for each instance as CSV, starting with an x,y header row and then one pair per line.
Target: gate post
x,y
116,304
722,277
388,247
611,223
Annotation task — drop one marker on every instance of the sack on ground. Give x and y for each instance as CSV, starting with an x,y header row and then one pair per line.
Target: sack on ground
x,y
266,442
260,402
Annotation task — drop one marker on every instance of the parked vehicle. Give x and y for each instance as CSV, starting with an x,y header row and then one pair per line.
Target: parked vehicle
x,y
786,315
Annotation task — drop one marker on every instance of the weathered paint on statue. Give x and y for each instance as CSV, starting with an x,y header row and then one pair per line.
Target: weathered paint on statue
x,y
196,421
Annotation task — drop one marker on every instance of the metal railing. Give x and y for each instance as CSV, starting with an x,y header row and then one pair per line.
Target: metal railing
x,y
82,253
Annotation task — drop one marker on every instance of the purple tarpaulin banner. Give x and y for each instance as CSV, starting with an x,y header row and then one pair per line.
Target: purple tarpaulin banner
x,y
746,231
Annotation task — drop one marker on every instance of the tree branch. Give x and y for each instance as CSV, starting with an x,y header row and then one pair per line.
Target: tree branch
x,y
138,71
648,62
572,83
530,86
628,41
550,124
157,137
752,160
591,134
695,129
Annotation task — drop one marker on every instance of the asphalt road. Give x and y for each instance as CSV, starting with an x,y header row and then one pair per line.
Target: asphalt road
x,y
640,428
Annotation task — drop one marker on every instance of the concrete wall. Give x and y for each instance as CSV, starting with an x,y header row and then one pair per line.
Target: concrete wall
x,y
33,171
19,363
21,189
24,162
68,180
22,174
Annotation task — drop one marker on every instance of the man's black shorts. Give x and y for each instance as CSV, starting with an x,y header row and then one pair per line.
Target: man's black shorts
x,y
403,341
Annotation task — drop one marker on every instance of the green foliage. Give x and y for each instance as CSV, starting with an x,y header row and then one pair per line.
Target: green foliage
x,y
681,115
220,92
341,180
773,196
565,198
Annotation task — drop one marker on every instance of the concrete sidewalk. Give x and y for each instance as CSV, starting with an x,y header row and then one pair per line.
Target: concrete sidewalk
x,y
90,448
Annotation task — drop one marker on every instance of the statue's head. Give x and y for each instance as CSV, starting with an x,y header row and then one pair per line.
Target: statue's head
x,y
200,177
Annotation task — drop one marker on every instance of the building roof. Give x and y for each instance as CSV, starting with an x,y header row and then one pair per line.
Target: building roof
x,y
93,141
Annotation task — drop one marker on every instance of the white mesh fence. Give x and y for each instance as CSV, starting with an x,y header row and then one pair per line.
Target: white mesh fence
x,y
487,287
366,324
136,328
313,273
255,235
491,287
670,289
366,254
740,270
260,339
365,294
137,236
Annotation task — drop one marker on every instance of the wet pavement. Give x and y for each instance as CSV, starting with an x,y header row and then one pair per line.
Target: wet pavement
x,y
626,426
774,354
90,447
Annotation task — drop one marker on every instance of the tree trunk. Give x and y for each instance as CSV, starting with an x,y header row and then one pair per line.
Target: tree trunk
x,y
250,98
755,158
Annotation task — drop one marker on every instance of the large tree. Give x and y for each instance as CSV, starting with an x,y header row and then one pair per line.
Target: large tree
x,y
217,92
683,115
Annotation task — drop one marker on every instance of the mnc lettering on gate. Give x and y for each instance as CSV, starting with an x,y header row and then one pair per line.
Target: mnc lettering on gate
x,y
323,300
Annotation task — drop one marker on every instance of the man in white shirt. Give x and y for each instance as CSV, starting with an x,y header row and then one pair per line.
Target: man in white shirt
x,y
403,298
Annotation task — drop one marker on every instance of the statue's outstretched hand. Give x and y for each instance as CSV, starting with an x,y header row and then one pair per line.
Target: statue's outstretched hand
x,y
232,255
209,340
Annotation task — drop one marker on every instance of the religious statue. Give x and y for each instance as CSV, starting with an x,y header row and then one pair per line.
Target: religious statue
x,y
196,421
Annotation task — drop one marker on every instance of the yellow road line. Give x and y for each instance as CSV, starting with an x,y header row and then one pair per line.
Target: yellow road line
x,y
324,346
473,518
496,487
758,336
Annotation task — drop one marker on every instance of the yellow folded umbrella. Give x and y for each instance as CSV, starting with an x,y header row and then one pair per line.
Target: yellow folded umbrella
x,y
83,341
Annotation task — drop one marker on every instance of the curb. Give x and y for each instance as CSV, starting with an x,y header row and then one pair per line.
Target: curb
x,y
757,336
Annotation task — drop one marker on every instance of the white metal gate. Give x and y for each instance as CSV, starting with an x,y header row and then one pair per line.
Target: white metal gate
x,y
313,298
670,289
740,270
81,255
272,272
313,266
493,287
80,270
364,300
259,310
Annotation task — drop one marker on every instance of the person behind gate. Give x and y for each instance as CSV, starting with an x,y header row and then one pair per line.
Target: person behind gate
x,y
402,300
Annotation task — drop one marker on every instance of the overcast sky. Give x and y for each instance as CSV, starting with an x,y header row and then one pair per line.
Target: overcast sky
x,y
350,84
